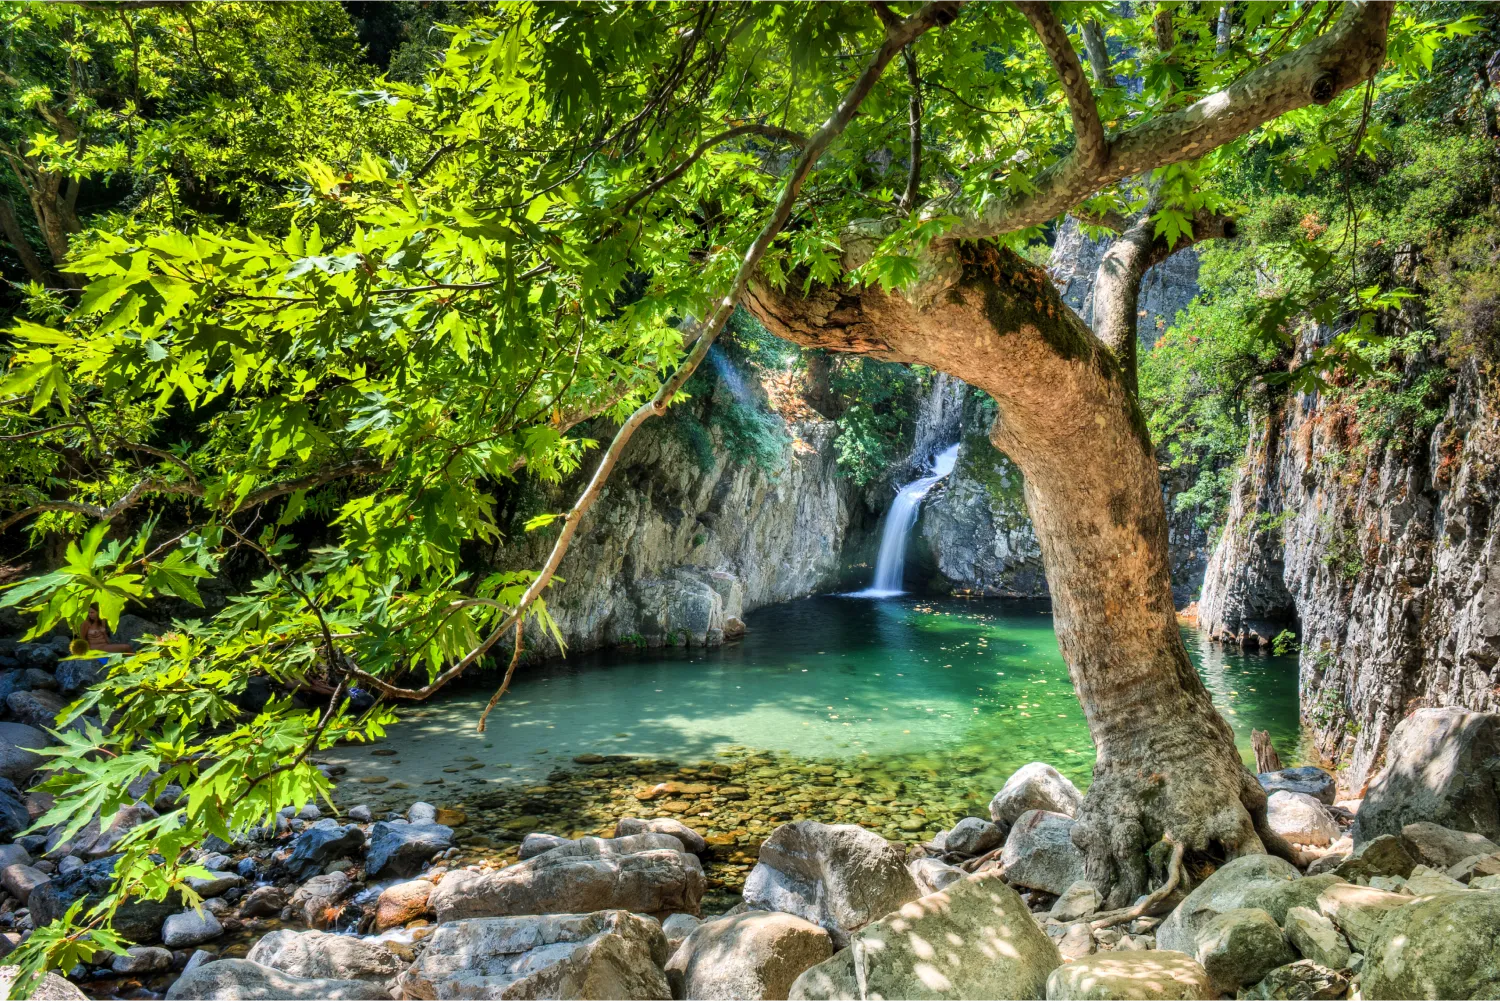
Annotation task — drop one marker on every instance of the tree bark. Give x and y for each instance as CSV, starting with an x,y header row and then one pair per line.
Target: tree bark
x,y
1067,416
11,226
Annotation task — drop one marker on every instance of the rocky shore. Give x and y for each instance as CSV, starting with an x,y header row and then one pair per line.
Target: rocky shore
x,y
622,878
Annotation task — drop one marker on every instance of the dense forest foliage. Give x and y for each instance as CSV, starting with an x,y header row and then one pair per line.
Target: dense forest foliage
x,y
296,291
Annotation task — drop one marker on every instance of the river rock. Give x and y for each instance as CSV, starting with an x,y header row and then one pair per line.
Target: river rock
x,y
36,707
973,836
1424,880
421,813
606,954
52,987
1239,947
77,673
327,957
1384,856
1442,766
1037,786
536,842
190,928
240,979
1130,976
14,854
1314,782
932,875
1248,881
1077,901
263,902
1442,847
975,939
18,757
1301,819
400,850
1314,935
837,876
216,884
757,954
125,820
138,920
321,843
141,959
1359,912
20,880
678,927
1443,946
651,882
1039,852
14,817
691,840
1303,980
321,899
402,903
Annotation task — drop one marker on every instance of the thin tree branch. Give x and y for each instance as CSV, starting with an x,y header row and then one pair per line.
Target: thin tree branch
x,y
1090,148
515,658
1098,52
751,128
11,227
908,202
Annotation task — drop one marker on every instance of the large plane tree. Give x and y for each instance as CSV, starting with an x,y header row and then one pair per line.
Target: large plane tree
x,y
553,228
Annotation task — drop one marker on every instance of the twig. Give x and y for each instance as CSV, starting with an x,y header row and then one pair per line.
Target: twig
x,y
510,671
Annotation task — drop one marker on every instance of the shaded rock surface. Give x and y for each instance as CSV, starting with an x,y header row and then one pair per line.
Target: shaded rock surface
x,y
649,882
242,980
1037,786
757,954
1442,766
1039,852
1131,976
1444,946
329,957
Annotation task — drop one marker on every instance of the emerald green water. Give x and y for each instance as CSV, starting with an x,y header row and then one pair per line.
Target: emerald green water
x,y
976,688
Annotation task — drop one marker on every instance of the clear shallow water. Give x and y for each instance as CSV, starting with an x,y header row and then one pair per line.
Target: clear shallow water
x,y
915,685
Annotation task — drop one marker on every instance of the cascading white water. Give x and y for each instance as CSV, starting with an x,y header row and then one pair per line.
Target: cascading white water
x,y
891,562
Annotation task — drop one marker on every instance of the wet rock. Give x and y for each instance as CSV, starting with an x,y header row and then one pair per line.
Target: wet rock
x,y
18,759
1130,976
1314,935
1442,766
321,899
401,850
1384,856
321,843
1359,911
837,876
1037,786
239,979
1444,946
932,874
606,954
650,882
975,939
1239,947
141,959
1077,901
1301,819
1441,847
402,903
1303,980
691,840
1309,781
190,928
1039,852
678,927
326,957
263,902
757,954
52,987
972,836
1248,881
536,842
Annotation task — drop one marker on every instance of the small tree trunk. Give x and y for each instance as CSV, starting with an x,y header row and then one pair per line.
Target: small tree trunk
x,y
1266,758
11,226
1166,763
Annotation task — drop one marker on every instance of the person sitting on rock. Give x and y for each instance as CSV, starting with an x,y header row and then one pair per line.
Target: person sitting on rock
x,y
96,635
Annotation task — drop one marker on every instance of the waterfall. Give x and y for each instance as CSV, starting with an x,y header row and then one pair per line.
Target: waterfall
x,y
898,524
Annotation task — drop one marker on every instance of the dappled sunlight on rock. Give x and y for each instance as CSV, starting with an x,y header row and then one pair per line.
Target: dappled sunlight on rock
x,y
1130,976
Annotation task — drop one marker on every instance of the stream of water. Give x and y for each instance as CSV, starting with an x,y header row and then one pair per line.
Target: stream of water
x,y
890,564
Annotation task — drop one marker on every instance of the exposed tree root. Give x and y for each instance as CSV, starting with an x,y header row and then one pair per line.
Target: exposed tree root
x,y
1174,879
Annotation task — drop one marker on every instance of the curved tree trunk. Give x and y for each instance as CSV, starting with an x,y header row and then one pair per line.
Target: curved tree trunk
x,y
1167,763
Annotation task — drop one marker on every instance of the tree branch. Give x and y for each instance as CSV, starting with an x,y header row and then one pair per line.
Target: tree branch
x,y
750,128
1098,51
11,227
1090,148
914,125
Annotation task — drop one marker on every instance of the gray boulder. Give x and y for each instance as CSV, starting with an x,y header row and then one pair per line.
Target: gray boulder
x,y
14,817
1442,766
837,876
141,959
1037,786
1314,936
1384,856
242,980
1360,912
401,850
1301,819
125,820
19,880
77,673
323,956
52,987
1304,980
321,843
190,928
606,954
1239,947
757,954
932,874
975,939
1077,901
1442,946
678,927
36,707
691,840
1157,975
321,899
1039,852
536,842
972,836
1441,847
652,882
1262,881
138,920
18,762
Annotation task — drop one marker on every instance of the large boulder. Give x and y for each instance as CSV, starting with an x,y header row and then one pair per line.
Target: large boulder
x,y
138,920
1386,855
691,840
191,927
1303,980
652,882
975,939
1039,852
1262,881
838,876
973,836
1443,766
327,957
1037,786
1314,936
321,899
1441,847
401,850
607,954
125,820
537,842
1360,912
1314,782
1239,947
75,674
322,843
18,757
1301,819
1442,946
52,987
1131,976
242,980
756,954
401,903
932,874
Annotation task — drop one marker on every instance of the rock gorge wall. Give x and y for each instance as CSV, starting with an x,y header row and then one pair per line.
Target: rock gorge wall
x,y
1388,558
